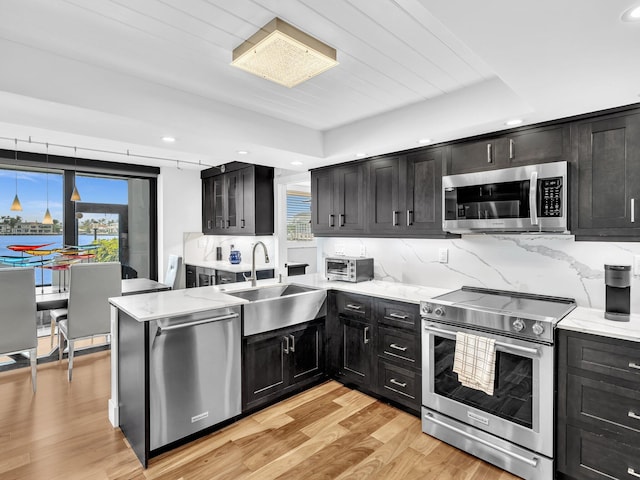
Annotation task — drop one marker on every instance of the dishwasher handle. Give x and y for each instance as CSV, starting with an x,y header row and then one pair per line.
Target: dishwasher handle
x,y
180,326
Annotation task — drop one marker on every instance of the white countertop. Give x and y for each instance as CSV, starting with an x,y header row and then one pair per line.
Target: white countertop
x,y
401,292
225,266
174,303
590,320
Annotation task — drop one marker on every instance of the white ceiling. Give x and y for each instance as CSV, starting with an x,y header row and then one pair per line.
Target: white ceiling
x,y
118,75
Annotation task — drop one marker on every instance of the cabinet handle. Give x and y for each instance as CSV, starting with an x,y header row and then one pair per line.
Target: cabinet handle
x,y
634,365
242,223
293,344
400,384
409,217
631,471
511,149
398,347
286,344
489,156
331,224
633,210
394,220
366,335
351,306
633,415
208,223
398,316
341,220
228,223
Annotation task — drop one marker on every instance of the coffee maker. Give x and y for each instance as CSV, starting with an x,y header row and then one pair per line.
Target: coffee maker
x,y
617,279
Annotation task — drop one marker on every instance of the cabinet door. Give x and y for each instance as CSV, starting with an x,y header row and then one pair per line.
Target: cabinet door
x,y
306,353
233,201
475,156
356,353
208,220
608,177
423,187
384,205
218,203
246,200
264,367
350,198
538,145
323,218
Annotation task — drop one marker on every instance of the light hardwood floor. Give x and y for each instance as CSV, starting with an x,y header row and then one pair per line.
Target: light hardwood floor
x,y
329,432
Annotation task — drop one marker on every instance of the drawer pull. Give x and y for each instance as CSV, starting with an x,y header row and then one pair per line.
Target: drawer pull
x,y
400,384
631,471
398,316
634,415
404,349
351,306
634,365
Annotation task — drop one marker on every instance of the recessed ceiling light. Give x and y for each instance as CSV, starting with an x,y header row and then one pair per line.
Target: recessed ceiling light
x,y
361,155
242,152
168,139
424,141
631,14
296,163
512,122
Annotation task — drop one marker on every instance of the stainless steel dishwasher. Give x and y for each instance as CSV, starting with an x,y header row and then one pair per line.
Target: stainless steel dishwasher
x,y
194,373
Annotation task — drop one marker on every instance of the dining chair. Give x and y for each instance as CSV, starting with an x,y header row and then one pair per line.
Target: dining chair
x,y
171,276
18,319
87,313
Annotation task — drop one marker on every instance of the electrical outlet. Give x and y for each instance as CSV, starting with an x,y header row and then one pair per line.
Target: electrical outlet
x,y
636,265
443,255
339,250
363,251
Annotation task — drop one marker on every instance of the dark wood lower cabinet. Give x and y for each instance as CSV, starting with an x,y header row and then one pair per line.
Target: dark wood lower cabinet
x,y
355,343
598,433
279,363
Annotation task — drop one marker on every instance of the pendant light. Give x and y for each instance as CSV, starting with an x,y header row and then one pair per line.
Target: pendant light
x,y
47,220
75,196
15,206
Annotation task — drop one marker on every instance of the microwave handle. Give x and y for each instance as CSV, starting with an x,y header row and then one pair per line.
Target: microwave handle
x,y
533,198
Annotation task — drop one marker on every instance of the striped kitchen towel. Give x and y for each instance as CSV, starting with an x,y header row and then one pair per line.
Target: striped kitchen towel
x,y
475,361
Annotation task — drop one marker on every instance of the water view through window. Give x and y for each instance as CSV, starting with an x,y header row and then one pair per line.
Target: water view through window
x,y
26,241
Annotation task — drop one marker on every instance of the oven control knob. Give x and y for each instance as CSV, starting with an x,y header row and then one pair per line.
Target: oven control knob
x,y
439,311
426,308
538,328
518,325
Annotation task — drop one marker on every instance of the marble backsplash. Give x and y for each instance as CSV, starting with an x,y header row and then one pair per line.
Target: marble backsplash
x,y
542,264
200,247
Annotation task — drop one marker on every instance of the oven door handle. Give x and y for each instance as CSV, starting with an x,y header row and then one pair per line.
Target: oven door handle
x,y
504,347
529,461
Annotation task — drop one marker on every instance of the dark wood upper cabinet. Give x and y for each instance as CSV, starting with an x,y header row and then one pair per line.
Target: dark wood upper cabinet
x,y
337,200
384,197
607,183
520,147
239,201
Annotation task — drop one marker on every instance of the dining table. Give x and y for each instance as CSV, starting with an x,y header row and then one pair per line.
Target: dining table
x,y
49,298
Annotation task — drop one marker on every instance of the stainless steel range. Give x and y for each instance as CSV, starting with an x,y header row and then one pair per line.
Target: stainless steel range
x,y
513,427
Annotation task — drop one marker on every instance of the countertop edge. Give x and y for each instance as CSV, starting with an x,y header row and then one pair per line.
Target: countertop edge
x,y
592,321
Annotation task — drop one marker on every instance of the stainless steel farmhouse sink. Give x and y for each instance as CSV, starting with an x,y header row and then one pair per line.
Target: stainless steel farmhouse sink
x,y
276,306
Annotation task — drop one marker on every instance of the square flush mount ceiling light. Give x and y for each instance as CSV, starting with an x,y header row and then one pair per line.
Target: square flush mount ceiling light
x,y
283,54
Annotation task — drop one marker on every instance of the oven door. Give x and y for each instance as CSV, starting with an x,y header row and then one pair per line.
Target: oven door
x,y
337,269
521,408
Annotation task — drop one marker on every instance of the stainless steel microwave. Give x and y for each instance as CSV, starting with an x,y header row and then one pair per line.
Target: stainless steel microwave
x,y
530,198
349,269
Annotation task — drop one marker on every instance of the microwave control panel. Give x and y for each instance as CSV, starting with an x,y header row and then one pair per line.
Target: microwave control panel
x,y
550,190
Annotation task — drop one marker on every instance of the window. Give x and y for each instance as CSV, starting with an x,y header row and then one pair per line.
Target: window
x,y
299,216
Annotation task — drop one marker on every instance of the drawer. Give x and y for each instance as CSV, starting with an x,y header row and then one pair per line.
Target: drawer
x,y
593,457
399,384
398,344
618,359
603,405
354,305
397,314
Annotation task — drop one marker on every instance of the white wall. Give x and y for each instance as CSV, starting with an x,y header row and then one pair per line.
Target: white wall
x,y
179,211
542,264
